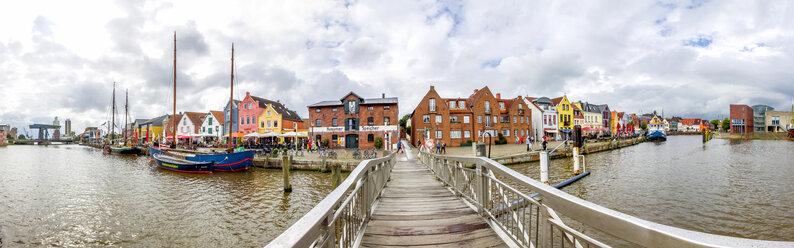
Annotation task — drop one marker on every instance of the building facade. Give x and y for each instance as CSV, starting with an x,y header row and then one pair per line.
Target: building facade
x,y
211,125
189,125
759,117
68,127
777,121
3,137
565,113
483,114
171,122
537,118
355,122
742,119
227,123
549,118
277,118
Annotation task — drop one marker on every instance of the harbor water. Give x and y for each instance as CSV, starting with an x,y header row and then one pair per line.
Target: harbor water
x,y
725,187
73,195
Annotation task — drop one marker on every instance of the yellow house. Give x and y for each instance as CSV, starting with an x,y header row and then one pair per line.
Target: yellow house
x,y
565,112
613,124
277,119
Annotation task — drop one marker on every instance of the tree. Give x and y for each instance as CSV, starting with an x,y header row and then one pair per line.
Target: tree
x,y
644,126
403,121
378,142
726,124
21,137
9,137
715,123
408,130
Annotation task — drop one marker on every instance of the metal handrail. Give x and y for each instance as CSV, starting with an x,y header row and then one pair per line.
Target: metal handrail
x,y
506,207
339,219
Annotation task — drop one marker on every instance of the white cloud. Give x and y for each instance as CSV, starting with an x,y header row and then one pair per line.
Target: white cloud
x,y
688,58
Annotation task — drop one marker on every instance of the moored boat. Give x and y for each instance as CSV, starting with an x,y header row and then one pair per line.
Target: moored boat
x,y
226,162
181,165
124,150
656,130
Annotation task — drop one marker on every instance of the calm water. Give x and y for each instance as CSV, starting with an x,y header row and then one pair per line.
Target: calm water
x,y
736,188
76,196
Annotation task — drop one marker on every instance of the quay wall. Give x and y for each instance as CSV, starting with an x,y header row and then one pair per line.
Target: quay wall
x,y
587,148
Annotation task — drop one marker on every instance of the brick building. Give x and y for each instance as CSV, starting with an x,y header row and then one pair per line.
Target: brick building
x,y
355,122
741,119
3,137
457,120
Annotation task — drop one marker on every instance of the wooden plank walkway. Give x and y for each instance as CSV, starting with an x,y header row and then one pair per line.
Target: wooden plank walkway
x,y
416,210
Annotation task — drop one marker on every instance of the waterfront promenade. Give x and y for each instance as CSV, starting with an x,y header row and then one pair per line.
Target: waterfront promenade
x,y
416,210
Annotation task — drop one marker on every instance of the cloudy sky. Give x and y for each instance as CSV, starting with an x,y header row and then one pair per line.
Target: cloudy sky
x,y
689,58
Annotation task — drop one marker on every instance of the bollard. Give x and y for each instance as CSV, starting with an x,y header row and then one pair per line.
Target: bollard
x,y
544,167
285,166
324,166
577,142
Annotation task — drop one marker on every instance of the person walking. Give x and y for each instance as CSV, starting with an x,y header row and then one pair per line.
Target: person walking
x,y
544,143
443,148
399,146
438,146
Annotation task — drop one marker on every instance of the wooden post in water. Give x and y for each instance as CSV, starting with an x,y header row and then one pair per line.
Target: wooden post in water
x,y
285,164
336,175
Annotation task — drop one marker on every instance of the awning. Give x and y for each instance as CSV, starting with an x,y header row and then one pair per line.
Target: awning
x,y
238,134
565,130
288,134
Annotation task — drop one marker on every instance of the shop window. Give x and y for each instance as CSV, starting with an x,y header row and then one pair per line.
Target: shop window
x,y
370,138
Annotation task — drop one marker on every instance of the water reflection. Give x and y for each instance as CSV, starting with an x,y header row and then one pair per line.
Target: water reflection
x,y
727,187
76,196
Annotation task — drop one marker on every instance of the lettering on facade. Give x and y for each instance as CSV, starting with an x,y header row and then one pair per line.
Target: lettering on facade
x,y
362,128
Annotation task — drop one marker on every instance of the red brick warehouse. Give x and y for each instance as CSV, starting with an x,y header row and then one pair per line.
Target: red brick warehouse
x,y
741,119
355,122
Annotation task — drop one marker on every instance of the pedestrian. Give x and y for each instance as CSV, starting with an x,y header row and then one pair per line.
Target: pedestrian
x,y
438,146
544,143
399,146
443,147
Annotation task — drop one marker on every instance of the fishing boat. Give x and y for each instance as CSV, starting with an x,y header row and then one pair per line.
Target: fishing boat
x,y
656,130
124,149
230,161
181,165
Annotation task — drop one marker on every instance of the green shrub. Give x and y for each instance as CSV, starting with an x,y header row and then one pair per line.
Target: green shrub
x,y
325,142
378,142
501,140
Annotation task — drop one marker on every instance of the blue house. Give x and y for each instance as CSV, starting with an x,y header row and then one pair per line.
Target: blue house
x,y
226,122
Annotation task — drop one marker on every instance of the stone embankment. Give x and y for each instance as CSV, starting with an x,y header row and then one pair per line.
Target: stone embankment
x,y
564,152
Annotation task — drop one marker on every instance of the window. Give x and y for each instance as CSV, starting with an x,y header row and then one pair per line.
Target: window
x,y
466,119
351,124
501,106
467,134
319,123
505,119
370,108
479,119
318,138
262,124
432,104
545,120
495,119
453,118
370,137
386,121
487,107
210,130
203,129
317,110
479,133
334,122
370,121
520,106
269,124
522,119
248,120
386,107
210,119
275,123
439,118
426,118
334,138
506,132
488,120
454,134
427,134
775,120
439,134
451,104
555,120
333,109
268,113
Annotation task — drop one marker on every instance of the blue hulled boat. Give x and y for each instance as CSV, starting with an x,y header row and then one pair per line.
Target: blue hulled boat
x,y
237,161
180,165
656,130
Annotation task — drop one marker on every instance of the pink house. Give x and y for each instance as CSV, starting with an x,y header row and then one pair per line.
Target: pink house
x,y
248,110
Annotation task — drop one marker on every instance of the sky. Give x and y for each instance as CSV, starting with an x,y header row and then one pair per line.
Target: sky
x,y
686,58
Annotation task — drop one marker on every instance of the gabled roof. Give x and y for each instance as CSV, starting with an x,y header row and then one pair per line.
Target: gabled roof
x,y
218,116
556,101
196,118
236,102
286,113
369,101
351,93
177,118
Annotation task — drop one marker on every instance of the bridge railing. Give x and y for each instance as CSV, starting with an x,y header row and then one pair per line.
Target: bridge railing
x,y
525,210
338,220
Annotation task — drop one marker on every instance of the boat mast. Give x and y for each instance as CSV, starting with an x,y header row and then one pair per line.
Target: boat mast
x,y
113,115
126,113
231,103
173,125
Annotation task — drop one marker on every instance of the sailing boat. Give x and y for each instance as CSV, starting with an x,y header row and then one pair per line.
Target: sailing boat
x,y
230,161
124,149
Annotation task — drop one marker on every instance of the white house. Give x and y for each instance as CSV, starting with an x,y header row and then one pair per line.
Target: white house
x,y
537,119
190,123
212,125
549,118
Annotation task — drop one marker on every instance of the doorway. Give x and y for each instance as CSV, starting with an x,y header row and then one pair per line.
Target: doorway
x,y
351,141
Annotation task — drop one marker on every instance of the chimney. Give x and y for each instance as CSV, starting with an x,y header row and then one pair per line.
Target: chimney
x,y
432,87
383,95
498,95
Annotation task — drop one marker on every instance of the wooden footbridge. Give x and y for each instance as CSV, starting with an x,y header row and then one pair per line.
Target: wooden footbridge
x,y
448,201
